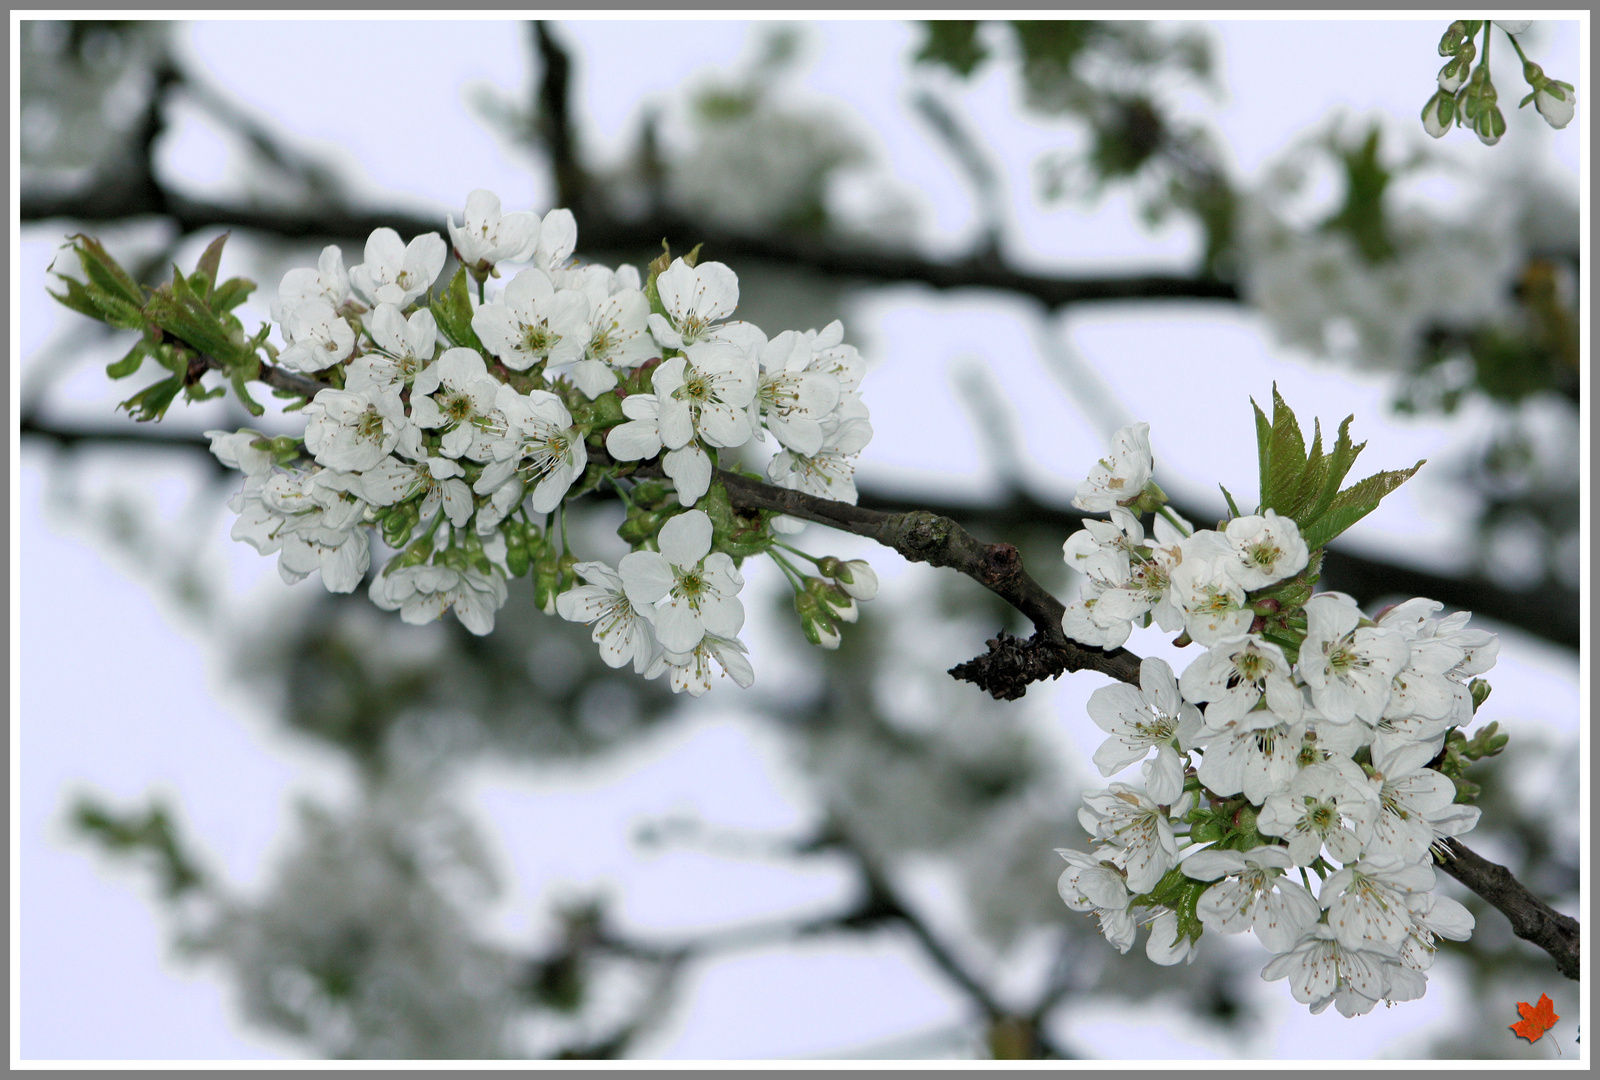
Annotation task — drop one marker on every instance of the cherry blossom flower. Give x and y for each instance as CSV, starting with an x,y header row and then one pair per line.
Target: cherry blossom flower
x,y
317,337
1255,754
1417,804
540,442
1119,479
686,590
691,671
438,479
406,347
791,397
328,283
1087,884
396,273
1141,836
354,430
830,472
425,592
1253,894
1205,587
1432,915
1268,547
450,394
697,298
704,395
1366,902
1235,674
1349,668
533,321
1321,971
487,237
623,634
1154,715
616,332
1331,803
311,519
558,238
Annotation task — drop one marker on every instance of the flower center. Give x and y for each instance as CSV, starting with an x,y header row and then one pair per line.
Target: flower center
x,y
538,338
370,426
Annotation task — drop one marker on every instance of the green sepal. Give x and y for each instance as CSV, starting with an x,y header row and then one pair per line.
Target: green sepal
x,y
736,534
452,310
121,369
152,402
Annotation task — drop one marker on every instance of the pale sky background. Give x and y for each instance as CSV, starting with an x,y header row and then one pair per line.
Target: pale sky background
x,y
122,695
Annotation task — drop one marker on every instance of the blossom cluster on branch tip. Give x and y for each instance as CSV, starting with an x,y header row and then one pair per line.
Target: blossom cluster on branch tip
x,y
1307,744
1467,96
458,421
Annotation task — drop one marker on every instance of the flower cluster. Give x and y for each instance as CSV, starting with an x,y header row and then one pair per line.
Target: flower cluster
x,y
1298,747
452,419
1467,96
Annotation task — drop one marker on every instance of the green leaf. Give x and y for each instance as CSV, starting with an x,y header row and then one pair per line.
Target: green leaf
x,y
77,298
211,261
231,293
453,312
183,313
1339,462
104,271
1282,451
152,402
1312,478
121,369
1353,504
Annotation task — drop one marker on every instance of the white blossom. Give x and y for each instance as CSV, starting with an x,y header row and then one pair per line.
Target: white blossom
x,y
1417,805
533,322
686,590
1268,547
1206,588
623,634
1154,715
396,273
539,442
1321,971
405,348
1366,902
1254,754
354,430
438,479
1349,668
697,298
425,592
1119,478
1253,894
316,336
486,236
328,283
1235,674
1331,803
1140,835
691,671
450,395
1087,884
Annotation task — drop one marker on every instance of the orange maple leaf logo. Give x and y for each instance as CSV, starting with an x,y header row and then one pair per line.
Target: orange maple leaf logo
x,y
1536,1019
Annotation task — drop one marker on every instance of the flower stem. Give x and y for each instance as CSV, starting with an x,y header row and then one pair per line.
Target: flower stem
x,y
789,571
1173,518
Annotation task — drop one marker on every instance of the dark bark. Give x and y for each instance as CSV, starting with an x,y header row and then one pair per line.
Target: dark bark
x,y
1531,918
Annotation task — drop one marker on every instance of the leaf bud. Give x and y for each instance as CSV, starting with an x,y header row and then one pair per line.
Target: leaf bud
x,y
1480,693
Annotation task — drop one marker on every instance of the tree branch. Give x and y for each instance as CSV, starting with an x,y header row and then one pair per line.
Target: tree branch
x,y
1531,918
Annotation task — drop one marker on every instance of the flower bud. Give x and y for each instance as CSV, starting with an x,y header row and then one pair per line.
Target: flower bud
x,y
1490,125
1480,693
818,625
834,600
1556,102
1454,74
859,580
